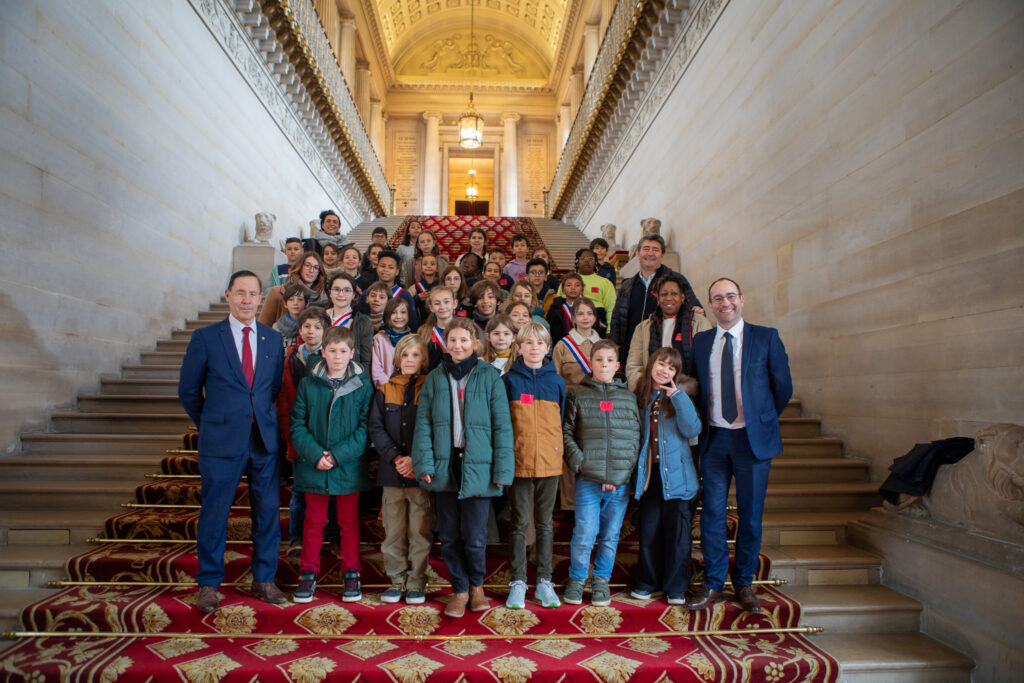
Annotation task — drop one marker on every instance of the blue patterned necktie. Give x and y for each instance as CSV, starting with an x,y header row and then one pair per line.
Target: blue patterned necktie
x,y
729,409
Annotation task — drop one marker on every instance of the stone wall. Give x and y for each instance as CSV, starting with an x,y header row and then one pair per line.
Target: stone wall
x,y
859,169
133,152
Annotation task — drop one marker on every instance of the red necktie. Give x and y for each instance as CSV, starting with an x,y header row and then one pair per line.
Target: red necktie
x,y
247,356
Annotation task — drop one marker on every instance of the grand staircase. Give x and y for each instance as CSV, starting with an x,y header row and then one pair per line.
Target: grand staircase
x,y
67,481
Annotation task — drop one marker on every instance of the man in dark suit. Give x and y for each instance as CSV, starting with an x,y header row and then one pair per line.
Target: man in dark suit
x,y
229,380
744,386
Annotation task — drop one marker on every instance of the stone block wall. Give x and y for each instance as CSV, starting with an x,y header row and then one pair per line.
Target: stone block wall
x,y
132,154
859,169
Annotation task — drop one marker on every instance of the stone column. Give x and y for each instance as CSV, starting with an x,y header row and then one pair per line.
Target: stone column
x,y
591,43
362,94
575,90
377,130
509,176
564,125
432,165
347,58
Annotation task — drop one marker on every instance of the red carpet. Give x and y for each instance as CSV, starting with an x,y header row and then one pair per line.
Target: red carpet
x,y
369,640
452,232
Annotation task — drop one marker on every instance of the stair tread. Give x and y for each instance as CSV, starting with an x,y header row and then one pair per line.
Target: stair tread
x,y
803,520
86,436
58,518
114,415
32,556
849,598
59,486
817,555
12,601
79,460
132,381
824,487
866,652
811,462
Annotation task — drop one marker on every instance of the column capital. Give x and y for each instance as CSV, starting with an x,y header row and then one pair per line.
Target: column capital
x,y
591,26
509,116
431,115
348,20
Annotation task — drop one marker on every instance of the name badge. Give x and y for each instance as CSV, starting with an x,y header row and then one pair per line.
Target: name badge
x,y
526,399
595,290
607,406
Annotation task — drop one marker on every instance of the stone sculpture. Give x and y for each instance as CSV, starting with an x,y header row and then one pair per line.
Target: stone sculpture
x,y
648,226
264,227
984,492
314,228
608,234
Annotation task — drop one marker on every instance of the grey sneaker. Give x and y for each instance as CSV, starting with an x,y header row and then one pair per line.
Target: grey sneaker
x,y
545,593
306,588
414,597
640,594
516,595
600,595
573,593
392,595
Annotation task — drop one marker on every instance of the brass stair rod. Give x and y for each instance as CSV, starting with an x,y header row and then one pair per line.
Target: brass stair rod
x,y
372,544
403,637
194,506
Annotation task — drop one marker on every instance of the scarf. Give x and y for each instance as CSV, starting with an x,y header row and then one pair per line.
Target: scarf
x,y
503,354
460,369
682,337
376,319
395,335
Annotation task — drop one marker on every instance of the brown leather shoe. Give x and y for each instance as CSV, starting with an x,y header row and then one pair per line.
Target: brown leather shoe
x,y
703,598
478,602
748,601
457,605
268,592
208,600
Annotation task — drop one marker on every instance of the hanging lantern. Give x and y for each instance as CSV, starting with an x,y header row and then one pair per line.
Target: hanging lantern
x,y
471,124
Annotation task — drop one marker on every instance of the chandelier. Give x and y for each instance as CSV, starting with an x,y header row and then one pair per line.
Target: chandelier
x,y
471,188
471,124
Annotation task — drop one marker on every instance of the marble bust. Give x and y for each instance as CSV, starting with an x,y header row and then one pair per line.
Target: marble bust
x,y
264,227
648,226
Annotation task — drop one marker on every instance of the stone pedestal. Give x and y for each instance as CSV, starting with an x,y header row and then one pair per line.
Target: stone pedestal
x,y
970,586
259,258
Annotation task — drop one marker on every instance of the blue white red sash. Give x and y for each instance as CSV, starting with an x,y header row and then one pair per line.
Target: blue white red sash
x,y
577,353
438,338
420,287
343,320
396,290
567,312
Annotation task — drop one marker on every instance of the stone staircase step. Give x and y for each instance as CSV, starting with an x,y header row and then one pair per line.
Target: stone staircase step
x,y
152,371
78,466
811,447
894,658
856,609
810,470
73,493
129,403
794,408
61,525
180,335
121,423
802,528
799,427
162,358
823,565
172,345
31,566
99,444
13,601
139,386
812,496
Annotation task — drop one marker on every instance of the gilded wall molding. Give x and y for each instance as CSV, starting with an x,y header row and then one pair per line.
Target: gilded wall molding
x,y
593,188
223,23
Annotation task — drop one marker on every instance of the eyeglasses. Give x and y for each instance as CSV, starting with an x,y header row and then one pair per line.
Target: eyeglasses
x,y
311,266
731,297
538,272
339,290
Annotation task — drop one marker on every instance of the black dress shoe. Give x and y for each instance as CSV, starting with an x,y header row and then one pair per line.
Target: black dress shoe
x,y
208,600
703,598
268,592
748,601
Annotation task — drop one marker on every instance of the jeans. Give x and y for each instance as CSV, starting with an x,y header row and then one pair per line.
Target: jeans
x,y
462,525
540,491
664,559
599,517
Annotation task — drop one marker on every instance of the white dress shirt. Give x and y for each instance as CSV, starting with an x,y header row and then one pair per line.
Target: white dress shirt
x,y
236,333
716,379
668,330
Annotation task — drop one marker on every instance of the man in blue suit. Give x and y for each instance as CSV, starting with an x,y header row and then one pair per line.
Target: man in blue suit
x,y
229,380
744,386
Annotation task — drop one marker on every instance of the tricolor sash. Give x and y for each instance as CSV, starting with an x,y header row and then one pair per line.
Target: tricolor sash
x,y
577,353
567,312
396,290
421,288
438,338
343,320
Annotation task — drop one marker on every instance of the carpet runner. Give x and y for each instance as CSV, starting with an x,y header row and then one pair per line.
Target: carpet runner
x,y
452,233
328,639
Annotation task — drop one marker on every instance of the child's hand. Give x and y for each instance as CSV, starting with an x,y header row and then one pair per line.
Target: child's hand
x,y
426,478
326,462
670,388
403,464
608,487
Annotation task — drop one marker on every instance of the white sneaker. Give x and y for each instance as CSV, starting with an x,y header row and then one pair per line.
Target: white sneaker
x,y
545,594
516,595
